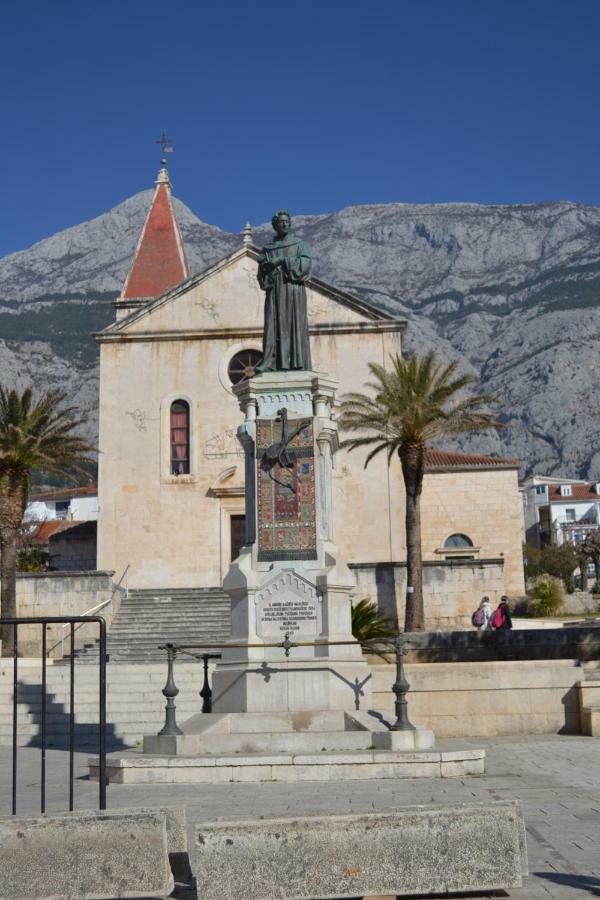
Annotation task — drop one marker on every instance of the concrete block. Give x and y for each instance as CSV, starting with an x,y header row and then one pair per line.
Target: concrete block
x,y
591,720
85,856
451,755
177,843
458,768
175,822
419,739
395,854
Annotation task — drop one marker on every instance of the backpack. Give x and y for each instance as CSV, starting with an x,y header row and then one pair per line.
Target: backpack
x,y
478,617
498,618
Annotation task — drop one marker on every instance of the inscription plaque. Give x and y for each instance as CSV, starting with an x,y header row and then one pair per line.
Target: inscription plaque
x,y
292,615
288,603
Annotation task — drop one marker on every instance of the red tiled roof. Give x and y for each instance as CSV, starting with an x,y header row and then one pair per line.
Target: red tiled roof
x,y
87,490
160,262
578,492
44,531
441,459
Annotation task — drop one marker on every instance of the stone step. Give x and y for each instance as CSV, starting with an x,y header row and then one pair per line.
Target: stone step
x,y
150,617
148,628
172,592
174,605
163,633
58,674
131,716
195,616
290,742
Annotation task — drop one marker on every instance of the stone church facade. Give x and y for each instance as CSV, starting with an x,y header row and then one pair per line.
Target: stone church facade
x,y
171,472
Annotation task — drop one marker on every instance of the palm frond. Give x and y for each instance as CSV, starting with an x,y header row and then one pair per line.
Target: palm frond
x,y
411,402
41,434
370,624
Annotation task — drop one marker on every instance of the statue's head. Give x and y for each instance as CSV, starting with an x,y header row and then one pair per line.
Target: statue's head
x,y
281,222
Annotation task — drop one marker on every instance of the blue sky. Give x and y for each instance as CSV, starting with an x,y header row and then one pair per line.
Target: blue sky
x,y
313,105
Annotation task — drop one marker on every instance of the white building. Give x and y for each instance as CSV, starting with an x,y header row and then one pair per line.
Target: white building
x,y
559,510
78,504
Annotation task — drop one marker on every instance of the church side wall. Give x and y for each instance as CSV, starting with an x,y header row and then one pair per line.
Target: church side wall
x,y
485,505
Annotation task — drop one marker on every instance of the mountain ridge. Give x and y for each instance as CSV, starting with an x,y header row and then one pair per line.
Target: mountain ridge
x,y
512,291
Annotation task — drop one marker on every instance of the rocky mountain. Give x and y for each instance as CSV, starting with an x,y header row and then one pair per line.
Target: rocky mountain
x,y
511,291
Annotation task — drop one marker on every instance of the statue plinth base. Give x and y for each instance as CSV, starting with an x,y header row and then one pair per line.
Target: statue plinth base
x,y
289,579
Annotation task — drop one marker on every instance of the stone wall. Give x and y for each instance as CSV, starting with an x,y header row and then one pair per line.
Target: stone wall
x,y
490,698
455,699
452,589
577,641
61,594
580,602
484,504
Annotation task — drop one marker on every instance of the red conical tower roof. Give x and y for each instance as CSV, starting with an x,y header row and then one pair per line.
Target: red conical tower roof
x,y
160,261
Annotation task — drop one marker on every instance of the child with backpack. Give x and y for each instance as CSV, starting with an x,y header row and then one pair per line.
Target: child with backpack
x,y
501,620
482,615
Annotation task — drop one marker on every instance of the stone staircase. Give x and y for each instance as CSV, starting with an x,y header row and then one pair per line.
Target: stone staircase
x,y
149,618
135,705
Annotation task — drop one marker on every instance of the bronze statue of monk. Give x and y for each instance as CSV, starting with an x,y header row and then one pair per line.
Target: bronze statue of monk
x,y
284,267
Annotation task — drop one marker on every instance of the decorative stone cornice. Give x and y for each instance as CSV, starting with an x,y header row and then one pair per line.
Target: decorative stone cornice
x,y
214,334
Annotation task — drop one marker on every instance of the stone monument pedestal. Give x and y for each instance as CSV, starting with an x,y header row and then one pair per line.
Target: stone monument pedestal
x,y
289,579
306,715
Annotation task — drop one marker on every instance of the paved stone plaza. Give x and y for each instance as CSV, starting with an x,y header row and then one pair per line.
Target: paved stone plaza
x,y
556,777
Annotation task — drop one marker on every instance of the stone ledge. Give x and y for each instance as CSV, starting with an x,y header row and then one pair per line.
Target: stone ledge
x,y
114,854
415,850
334,766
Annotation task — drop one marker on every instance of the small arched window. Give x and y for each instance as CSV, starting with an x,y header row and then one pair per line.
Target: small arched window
x,y
458,542
180,438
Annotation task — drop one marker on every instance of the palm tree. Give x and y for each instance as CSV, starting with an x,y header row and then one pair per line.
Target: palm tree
x,y
413,402
33,435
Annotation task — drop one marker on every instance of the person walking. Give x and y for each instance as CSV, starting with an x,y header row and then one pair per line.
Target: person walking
x,y
501,620
482,616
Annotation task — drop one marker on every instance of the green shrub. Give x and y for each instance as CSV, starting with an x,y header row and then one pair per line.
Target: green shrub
x,y
369,623
32,560
596,587
547,596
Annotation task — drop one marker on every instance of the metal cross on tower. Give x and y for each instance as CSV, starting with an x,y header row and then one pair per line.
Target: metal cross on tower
x,y
164,143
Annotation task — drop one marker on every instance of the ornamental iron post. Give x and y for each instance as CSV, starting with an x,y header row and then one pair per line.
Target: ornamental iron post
x,y
400,689
170,691
206,692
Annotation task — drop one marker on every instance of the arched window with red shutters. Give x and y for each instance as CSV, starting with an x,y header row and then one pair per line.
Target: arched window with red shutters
x,y
180,438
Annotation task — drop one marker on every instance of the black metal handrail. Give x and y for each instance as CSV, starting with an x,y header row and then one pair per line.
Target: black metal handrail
x,y
60,620
400,687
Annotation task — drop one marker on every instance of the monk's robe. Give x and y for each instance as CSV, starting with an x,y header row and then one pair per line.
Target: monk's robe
x,y
285,339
